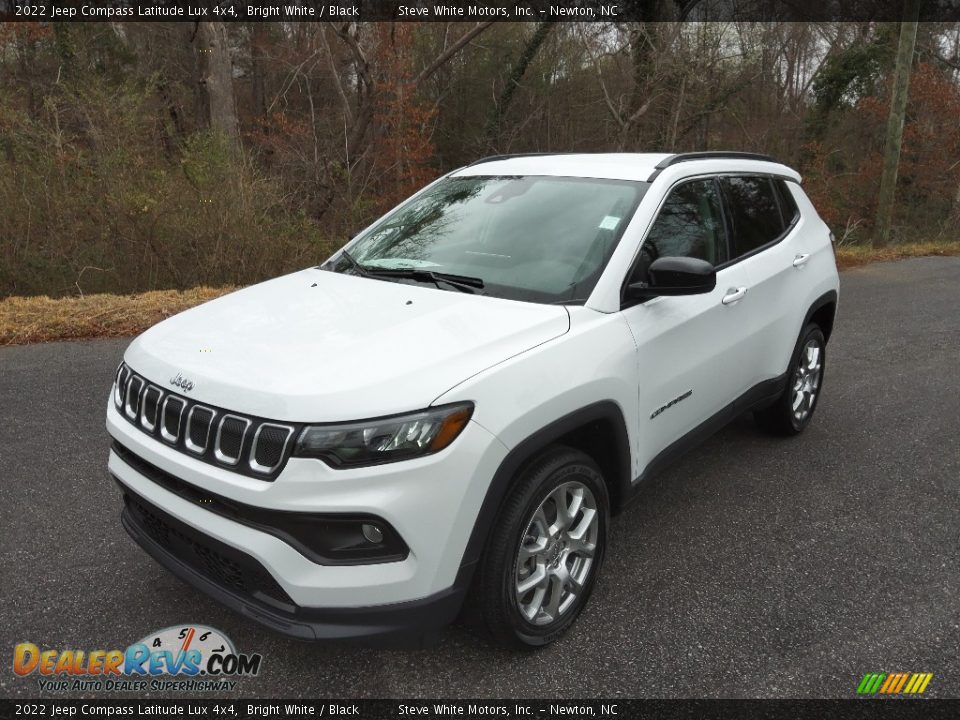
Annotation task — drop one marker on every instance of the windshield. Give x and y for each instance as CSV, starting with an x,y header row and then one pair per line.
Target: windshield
x,y
534,238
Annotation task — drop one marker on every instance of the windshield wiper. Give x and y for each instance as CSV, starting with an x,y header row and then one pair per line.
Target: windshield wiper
x,y
354,265
463,283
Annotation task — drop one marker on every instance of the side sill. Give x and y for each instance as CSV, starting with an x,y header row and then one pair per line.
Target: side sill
x,y
757,397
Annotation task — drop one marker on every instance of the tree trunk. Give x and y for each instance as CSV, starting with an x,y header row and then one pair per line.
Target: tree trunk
x,y
513,82
258,40
955,210
898,109
641,49
216,77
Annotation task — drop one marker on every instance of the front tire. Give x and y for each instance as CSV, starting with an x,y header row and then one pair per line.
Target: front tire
x,y
793,410
545,551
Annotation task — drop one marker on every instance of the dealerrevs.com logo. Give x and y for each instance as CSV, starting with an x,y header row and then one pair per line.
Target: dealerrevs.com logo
x,y
178,658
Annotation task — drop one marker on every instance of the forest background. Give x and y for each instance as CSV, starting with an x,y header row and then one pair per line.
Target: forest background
x,y
139,157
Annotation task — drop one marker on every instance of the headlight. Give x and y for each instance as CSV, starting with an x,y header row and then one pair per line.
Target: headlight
x,y
389,439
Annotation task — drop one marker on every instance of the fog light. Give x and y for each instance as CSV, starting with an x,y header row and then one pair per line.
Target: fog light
x,y
372,533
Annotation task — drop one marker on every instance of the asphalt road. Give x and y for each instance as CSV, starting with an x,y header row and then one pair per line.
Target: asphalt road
x,y
755,567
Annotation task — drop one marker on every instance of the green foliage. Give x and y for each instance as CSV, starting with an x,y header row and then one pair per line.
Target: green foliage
x,y
849,75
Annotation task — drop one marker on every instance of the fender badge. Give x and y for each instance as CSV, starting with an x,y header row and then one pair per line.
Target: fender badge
x,y
670,404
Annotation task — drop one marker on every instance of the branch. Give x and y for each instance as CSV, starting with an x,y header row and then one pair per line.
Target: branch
x,y
445,56
359,58
641,110
336,75
290,80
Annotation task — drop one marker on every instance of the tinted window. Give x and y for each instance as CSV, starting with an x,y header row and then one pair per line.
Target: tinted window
x,y
754,212
690,224
788,206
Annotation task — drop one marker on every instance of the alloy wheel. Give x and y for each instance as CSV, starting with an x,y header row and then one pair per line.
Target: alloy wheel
x,y
556,553
806,380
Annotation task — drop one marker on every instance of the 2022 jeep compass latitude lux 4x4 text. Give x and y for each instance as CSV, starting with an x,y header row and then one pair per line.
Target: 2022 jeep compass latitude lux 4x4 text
x,y
448,410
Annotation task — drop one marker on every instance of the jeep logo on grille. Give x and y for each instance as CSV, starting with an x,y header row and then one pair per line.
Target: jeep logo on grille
x,y
181,382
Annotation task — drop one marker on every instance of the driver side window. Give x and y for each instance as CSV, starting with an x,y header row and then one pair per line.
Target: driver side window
x,y
690,224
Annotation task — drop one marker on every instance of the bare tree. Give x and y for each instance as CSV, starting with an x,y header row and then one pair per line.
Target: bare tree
x,y
215,77
898,112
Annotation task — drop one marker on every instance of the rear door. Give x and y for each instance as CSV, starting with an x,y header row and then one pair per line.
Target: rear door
x,y
767,242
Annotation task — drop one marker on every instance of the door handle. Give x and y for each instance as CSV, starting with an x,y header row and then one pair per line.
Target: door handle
x,y
800,259
733,294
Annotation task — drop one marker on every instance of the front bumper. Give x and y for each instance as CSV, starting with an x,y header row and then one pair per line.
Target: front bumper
x,y
432,502
242,584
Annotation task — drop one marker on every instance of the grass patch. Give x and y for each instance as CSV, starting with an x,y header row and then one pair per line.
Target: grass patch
x,y
857,255
42,319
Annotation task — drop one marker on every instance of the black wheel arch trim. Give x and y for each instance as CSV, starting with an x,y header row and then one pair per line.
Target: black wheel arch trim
x,y
526,451
829,297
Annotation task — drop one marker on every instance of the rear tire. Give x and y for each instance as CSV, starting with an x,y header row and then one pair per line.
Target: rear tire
x,y
545,551
794,409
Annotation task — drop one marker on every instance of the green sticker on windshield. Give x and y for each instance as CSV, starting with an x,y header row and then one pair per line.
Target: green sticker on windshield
x,y
609,222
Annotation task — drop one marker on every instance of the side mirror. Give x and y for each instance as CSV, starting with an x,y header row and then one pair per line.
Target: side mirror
x,y
675,276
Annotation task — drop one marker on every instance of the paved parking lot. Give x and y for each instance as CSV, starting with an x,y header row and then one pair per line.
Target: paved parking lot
x,y
755,567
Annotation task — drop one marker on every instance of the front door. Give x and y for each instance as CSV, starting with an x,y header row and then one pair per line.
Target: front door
x,y
691,349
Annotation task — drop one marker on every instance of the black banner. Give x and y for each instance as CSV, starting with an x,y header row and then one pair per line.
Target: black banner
x,y
517,709
469,11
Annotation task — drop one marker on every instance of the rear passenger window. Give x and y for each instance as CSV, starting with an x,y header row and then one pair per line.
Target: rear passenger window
x,y
788,206
755,212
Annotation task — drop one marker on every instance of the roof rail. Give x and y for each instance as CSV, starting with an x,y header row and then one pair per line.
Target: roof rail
x,y
712,155
509,156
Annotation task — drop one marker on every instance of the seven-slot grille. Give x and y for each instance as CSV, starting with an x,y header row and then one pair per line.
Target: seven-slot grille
x,y
249,445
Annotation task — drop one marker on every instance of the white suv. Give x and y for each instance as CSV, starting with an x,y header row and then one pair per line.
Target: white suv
x,y
451,407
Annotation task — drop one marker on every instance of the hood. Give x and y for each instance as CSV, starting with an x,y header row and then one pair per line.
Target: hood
x,y
317,346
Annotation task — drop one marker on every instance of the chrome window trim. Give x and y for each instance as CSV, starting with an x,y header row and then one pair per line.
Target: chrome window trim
x,y
163,416
187,442
222,457
252,461
150,426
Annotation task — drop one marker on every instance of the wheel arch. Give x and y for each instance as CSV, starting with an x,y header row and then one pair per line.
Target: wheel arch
x,y
599,430
822,311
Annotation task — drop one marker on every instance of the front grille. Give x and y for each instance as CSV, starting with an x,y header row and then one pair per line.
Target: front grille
x,y
269,445
230,438
134,393
120,384
245,444
151,407
198,428
172,418
224,565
